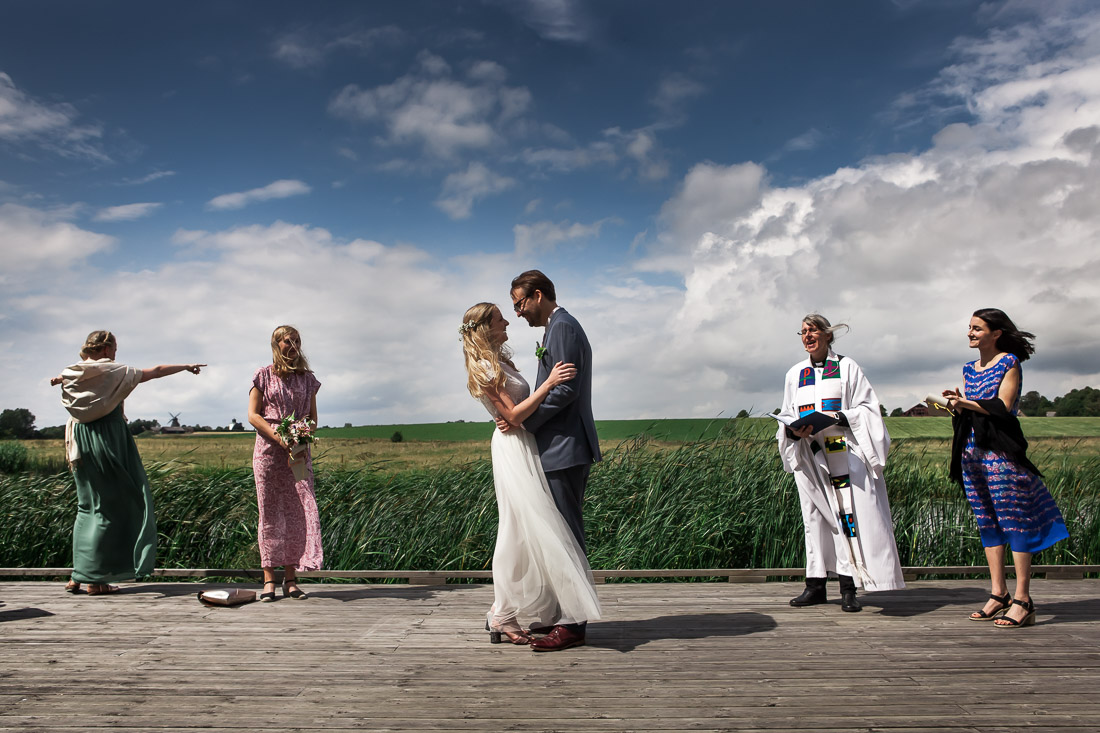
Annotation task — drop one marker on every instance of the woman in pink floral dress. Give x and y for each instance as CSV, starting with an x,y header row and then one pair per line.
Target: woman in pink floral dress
x,y
290,529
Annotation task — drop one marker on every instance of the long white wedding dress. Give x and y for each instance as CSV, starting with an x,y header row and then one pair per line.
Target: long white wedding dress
x,y
540,574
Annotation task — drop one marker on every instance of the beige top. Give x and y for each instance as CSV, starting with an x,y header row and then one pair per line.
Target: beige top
x,y
92,389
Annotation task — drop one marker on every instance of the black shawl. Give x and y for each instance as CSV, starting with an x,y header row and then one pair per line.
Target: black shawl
x,y
999,430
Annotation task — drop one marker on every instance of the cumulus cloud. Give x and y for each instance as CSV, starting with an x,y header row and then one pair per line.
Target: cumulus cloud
x,y
126,212
401,360
904,247
461,190
432,108
276,190
49,125
544,236
996,210
33,241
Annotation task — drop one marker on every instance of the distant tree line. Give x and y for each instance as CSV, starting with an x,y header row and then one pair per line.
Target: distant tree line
x,y
18,424
1084,402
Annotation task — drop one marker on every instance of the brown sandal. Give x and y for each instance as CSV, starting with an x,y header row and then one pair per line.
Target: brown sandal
x,y
72,587
101,589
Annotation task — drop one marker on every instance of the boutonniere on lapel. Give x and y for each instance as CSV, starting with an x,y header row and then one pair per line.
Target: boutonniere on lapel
x,y
540,351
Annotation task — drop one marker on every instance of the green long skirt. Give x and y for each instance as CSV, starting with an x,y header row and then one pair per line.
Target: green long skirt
x,y
115,534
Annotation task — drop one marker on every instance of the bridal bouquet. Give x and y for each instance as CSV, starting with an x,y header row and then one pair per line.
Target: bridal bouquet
x,y
296,431
298,434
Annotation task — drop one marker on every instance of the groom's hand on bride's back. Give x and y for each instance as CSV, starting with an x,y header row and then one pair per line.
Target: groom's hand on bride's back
x,y
503,425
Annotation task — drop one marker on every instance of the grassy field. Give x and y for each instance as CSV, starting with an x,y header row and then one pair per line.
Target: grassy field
x,y
678,431
443,444
719,502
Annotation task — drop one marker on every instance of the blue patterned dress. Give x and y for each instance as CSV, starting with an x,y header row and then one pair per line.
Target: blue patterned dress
x,y
1011,505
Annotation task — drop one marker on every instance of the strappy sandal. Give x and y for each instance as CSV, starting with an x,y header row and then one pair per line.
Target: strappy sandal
x,y
102,589
981,615
297,594
72,587
1011,623
268,597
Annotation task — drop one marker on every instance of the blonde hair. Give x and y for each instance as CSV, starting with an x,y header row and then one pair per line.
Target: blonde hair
x,y
96,342
483,360
282,366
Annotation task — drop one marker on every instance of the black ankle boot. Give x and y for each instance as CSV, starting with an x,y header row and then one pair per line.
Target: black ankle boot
x,y
849,603
813,595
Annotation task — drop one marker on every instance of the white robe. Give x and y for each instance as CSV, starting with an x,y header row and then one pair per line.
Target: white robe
x,y
827,549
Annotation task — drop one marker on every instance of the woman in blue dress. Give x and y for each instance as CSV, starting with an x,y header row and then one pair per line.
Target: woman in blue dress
x,y
988,456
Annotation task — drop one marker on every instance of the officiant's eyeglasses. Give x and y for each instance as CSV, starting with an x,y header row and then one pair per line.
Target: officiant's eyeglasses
x,y
518,305
808,331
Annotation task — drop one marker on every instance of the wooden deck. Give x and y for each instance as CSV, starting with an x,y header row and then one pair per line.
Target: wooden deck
x,y
667,657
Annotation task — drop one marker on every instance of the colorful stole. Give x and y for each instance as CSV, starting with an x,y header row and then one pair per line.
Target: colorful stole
x,y
821,390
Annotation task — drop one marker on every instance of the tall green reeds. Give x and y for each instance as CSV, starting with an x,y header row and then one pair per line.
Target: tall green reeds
x,y
716,503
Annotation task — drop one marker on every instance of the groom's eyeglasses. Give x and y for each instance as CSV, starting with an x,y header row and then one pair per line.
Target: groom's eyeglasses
x,y
519,304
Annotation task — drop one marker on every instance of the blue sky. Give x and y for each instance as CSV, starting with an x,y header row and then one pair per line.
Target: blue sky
x,y
695,177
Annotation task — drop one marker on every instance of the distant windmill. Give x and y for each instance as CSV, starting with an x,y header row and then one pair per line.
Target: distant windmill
x,y
174,427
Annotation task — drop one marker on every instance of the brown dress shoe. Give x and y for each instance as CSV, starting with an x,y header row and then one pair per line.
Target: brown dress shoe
x,y
559,638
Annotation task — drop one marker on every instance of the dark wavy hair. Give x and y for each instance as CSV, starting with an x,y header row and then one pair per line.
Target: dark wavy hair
x,y
1012,339
532,280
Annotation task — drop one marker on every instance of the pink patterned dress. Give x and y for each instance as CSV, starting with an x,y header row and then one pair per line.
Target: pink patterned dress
x,y
290,528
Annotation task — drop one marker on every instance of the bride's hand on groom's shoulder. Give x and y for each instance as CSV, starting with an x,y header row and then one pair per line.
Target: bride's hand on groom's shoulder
x,y
562,372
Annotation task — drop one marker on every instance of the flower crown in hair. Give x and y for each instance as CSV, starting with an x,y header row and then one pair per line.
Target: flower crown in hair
x,y
467,326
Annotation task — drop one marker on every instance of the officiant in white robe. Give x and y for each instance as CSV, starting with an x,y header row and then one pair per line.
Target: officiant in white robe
x,y
839,472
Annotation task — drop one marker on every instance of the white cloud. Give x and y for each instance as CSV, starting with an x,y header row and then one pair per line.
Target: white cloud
x,y
154,176
51,126
998,212
400,361
127,212
461,190
567,160
673,91
35,240
431,108
276,190
544,236
808,140
639,148
554,20
310,47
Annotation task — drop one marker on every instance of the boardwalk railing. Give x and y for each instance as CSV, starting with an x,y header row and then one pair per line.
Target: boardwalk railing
x,y
440,577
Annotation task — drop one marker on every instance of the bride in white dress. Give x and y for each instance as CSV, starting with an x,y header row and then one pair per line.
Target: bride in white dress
x,y
540,573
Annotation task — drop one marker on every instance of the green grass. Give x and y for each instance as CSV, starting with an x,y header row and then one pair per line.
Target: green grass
x,y
691,429
718,502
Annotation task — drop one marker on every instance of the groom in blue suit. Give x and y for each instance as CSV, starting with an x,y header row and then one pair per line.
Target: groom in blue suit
x,y
562,425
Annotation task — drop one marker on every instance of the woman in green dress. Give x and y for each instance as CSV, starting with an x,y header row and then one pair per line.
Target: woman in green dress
x,y
115,534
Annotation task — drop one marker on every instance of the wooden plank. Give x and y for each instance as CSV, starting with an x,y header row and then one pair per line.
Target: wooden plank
x,y
665,657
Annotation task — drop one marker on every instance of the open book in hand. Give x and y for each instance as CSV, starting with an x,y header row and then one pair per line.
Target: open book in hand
x,y
818,420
